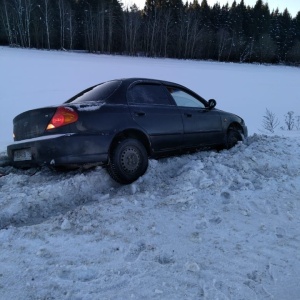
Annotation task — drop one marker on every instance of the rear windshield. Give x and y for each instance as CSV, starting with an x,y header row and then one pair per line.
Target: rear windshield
x,y
98,93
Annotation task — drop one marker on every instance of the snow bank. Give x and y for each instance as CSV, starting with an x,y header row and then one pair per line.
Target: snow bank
x,y
200,226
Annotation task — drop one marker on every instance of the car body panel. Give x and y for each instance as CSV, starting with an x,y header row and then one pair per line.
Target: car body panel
x,y
163,125
63,149
32,123
202,127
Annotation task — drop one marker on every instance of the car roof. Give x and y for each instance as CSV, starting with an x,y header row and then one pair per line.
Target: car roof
x,y
132,80
119,95
127,82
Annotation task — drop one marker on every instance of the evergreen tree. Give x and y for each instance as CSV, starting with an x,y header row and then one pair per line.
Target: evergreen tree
x,y
293,53
282,33
165,28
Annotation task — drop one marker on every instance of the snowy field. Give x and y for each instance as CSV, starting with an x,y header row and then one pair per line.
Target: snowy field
x,y
204,226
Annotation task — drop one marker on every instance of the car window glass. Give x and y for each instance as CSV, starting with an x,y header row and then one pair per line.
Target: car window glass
x,y
184,99
148,94
99,92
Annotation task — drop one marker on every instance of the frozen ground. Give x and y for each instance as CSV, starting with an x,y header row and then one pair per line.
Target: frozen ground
x,y
203,226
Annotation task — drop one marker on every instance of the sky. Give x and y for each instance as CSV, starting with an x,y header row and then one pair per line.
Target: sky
x,y
292,5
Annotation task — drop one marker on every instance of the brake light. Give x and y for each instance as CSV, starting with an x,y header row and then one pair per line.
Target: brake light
x,y
63,116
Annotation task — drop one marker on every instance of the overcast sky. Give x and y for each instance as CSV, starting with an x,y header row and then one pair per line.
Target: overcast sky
x,y
292,5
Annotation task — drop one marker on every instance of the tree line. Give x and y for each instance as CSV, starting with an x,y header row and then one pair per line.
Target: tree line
x,y
163,28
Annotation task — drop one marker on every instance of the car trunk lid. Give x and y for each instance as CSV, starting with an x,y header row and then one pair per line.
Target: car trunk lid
x,y
32,123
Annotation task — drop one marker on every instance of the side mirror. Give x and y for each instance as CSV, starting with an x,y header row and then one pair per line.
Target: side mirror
x,y
212,103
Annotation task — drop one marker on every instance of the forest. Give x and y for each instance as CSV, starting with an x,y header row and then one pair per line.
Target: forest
x,y
163,28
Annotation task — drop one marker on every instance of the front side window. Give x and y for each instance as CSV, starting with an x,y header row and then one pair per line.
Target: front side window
x,y
98,93
184,99
148,94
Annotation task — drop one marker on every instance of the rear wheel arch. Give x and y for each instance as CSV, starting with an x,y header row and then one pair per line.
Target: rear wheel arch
x,y
133,134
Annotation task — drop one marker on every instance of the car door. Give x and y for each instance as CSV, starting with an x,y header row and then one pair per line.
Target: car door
x,y
202,126
153,109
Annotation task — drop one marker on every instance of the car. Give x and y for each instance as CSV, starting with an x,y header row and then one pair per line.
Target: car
x,y
120,124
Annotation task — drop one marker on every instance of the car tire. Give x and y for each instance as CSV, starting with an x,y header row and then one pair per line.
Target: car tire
x,y
233,137
128,161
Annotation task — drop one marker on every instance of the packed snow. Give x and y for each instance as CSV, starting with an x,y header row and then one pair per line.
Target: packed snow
x,y
208,225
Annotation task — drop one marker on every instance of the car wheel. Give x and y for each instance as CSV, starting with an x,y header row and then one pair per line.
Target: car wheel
x,y
128,161
233,137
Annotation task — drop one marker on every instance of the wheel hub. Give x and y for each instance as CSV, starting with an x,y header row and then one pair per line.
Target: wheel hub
x,y
130,159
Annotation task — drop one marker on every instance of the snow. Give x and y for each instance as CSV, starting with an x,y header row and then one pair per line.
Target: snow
x,y
90,107
208,225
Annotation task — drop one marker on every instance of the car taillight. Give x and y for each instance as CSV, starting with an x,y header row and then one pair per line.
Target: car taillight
x,y
63,116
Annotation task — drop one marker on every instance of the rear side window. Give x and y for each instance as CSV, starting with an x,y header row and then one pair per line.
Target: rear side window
x,y
98,93
148,94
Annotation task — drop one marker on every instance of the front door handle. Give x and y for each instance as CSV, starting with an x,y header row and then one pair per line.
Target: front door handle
x,y
189,115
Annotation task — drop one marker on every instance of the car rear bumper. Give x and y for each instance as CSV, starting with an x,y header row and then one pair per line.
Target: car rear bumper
x,y
60,149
